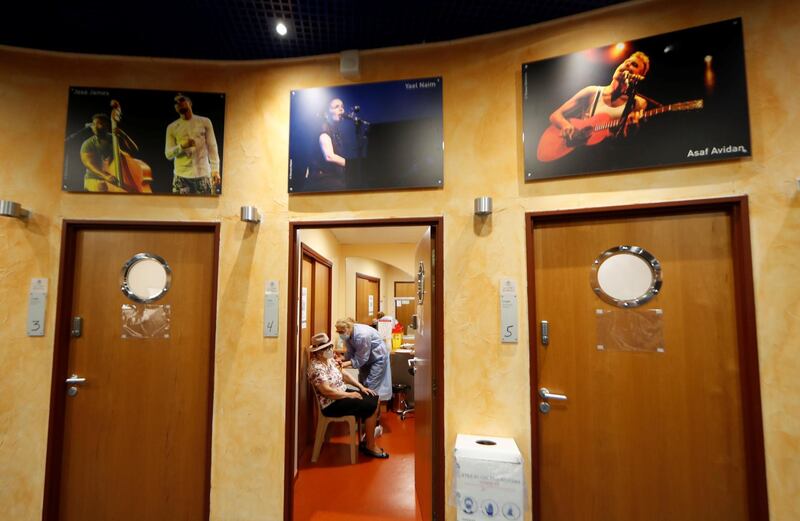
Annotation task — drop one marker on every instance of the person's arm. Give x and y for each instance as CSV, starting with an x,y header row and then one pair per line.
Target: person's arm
x,y
559,116
173,148
326,390
90,161
213,153
348,379
330,156
360,352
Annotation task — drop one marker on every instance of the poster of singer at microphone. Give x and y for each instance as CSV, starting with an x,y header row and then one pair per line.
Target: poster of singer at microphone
x,y
674,98
372,136
132,141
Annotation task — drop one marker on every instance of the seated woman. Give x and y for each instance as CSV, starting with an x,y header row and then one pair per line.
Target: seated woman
x,y
335,400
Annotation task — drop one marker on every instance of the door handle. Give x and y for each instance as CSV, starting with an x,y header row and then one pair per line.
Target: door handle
x,y
75,380
545,393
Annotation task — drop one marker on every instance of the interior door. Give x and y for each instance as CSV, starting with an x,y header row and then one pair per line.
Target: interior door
x,y
404,303
651,424
137,416
305,405
368,290
423,395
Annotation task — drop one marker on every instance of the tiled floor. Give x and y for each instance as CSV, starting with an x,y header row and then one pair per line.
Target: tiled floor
x,y
332,489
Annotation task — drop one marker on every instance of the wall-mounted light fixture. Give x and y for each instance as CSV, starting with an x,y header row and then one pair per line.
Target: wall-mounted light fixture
x,y
249,214
483,206
13,209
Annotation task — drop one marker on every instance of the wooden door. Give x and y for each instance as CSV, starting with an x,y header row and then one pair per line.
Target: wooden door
x,y
655,434
315,317
136,436
368,291
305,395
404,303
423,395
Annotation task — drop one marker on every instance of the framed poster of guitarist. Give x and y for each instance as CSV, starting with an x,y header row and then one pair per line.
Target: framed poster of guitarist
x,y
159,146
675,98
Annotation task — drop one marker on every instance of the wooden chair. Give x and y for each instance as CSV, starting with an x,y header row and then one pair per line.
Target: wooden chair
x,y
322,428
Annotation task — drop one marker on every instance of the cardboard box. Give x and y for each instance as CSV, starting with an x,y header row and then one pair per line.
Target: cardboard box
x,y
488,479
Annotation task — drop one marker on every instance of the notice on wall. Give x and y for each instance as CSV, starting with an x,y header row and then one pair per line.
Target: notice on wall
x,y
37,303
271,299
509,324
303,308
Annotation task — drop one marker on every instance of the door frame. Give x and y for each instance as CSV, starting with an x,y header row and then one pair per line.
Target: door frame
x,y
66,271
737,208
437,228
369,278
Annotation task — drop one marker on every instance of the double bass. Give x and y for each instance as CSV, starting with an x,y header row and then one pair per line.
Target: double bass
x,y
132,175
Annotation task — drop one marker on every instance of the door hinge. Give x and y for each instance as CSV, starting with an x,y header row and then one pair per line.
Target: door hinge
x,y
77,327
434,388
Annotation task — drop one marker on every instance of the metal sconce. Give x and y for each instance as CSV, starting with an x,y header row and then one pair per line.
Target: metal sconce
x,y
249,214
13,209
483,206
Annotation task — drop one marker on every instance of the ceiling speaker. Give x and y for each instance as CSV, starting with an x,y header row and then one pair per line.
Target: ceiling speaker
x,y
348,64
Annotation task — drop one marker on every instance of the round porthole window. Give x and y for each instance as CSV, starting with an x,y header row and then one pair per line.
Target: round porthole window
x,y
626,276
145,278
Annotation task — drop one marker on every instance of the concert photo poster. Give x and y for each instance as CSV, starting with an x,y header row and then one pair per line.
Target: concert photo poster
x,y
371,136
674,98
136,141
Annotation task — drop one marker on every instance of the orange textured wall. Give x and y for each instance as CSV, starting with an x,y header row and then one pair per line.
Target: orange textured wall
x,y
482,126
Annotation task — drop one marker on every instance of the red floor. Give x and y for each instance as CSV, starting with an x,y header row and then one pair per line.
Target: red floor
x,y
332,489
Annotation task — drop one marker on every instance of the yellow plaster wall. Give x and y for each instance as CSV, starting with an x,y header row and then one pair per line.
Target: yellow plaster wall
x,y
482,125
400,255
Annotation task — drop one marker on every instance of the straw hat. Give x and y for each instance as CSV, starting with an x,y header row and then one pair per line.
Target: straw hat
x,y
318,342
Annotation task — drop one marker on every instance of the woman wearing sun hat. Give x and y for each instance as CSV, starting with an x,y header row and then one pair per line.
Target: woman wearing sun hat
x,y
334,399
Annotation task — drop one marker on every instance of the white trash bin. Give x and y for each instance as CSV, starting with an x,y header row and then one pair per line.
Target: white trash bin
x,y
488,479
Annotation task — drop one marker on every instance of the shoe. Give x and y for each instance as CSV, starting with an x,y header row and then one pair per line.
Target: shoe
x,y
379,455
378,431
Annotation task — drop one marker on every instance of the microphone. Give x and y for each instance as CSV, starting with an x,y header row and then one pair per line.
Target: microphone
x,y
353,116
76,134
631,78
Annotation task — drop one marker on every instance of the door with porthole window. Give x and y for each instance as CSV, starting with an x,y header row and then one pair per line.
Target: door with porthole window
x,y
135,380
637,402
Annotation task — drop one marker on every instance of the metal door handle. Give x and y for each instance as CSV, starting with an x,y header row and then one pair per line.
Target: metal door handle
x,y
413,361
545,393
75,379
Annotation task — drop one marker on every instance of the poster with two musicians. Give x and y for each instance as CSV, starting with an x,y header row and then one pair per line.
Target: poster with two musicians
x,y
678,97
371,136
132,141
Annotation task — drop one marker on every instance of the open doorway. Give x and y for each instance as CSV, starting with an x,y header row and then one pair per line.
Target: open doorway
x,y
341,482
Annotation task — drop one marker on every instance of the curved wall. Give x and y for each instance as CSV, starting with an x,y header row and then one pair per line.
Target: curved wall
x,y
482,125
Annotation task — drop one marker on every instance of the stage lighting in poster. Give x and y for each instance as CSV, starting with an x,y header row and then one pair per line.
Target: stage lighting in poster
x,y
374,136
132,141
679,97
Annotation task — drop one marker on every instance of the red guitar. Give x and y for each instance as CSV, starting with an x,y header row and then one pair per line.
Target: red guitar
x,y
593,130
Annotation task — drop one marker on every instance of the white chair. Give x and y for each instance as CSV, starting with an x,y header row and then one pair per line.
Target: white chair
x,y
322,428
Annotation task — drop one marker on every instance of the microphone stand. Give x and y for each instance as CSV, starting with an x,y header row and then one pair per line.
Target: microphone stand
x,y
76,134
633,84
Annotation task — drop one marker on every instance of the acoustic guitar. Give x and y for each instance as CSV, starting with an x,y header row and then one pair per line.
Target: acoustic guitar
x,y
592,130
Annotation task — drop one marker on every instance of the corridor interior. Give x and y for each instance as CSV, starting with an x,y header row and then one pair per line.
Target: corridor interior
x,y
333,488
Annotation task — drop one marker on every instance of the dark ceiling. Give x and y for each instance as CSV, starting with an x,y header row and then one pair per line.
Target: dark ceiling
x,y
244,29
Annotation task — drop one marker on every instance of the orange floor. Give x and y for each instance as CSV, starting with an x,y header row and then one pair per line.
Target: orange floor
x,y
332,489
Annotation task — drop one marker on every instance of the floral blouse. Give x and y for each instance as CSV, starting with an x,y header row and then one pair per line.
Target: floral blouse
x,y
325,373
